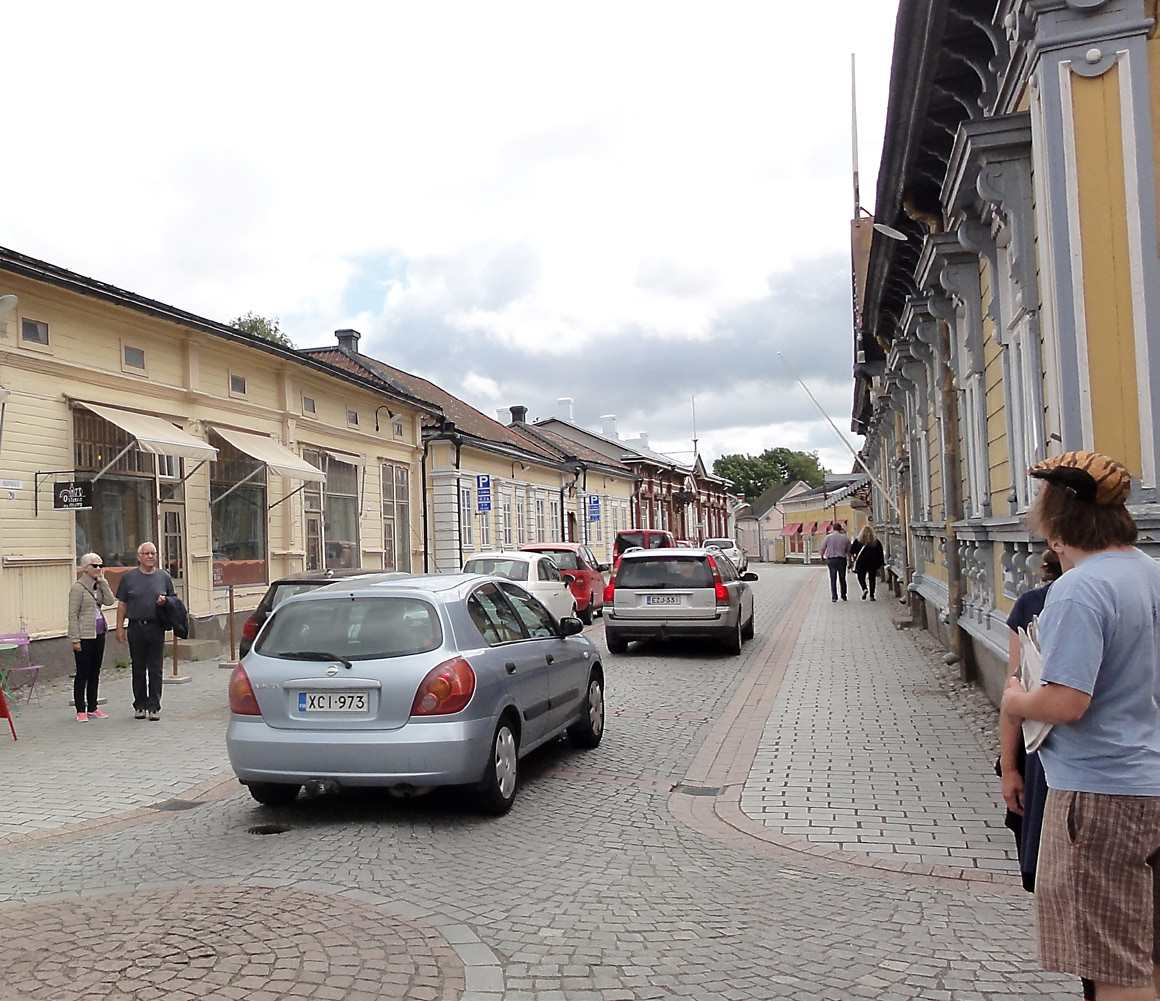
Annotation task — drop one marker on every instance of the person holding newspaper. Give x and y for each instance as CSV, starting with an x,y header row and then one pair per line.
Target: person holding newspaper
x,y
1099,634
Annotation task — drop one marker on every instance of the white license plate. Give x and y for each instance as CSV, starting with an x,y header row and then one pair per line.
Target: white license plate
x,y
333,702
662,599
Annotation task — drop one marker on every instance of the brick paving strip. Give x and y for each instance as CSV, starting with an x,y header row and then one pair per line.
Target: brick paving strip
x,y
709,797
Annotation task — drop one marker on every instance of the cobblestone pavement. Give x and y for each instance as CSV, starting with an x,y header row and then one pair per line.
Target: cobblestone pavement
x,y
657,866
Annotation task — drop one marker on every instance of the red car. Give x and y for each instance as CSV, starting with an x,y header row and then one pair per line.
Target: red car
x,y
585,576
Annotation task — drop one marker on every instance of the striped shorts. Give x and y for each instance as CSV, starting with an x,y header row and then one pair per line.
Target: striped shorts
x,y
1097,891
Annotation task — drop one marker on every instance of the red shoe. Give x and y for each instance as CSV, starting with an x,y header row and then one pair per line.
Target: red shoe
x,y
82,717
99,714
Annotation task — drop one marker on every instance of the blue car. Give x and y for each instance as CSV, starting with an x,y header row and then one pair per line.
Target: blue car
x,y
410,683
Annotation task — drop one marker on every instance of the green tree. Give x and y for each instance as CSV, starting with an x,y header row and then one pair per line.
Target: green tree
x,y
259,326
752,475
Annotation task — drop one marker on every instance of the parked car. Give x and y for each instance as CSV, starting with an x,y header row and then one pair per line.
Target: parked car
x,y
287,587
410,683
677,594
684,544
646,538
535,572
585,575
730,548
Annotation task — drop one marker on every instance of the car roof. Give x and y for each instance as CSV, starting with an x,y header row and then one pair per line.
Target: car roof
x,y
325,575
396,583
505,554
541,546
636,554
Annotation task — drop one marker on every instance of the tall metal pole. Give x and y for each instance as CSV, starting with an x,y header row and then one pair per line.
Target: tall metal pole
x,y
854,136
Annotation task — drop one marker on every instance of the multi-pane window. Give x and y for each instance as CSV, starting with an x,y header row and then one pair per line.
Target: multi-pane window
x,y
484,529
506,511
554,515
396,517
541,517
521,523
332,514
466,517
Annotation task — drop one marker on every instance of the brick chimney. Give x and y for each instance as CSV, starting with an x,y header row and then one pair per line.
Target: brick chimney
x,y
348,340
519,415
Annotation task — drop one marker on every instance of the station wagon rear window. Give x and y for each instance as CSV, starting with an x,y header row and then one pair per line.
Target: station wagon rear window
x,y
496,567
349,628
662,572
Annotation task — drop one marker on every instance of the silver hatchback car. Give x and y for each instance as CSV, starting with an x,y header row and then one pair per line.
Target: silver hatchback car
x,y
410,683
677,593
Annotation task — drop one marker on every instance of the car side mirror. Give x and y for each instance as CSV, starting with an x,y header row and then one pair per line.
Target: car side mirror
x,y
570,626
750,576
602,567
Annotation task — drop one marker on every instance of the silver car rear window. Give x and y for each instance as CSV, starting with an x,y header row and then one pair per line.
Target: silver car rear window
x,y
345,628
663,572
719,543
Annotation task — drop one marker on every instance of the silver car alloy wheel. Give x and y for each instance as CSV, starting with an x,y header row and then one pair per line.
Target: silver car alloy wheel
x,y
506,763
596,706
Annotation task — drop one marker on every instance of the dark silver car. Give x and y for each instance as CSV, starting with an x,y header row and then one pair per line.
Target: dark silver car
x,y
410,683
678,594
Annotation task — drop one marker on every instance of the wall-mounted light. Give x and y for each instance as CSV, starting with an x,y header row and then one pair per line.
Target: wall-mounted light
x,y
890,231
390,413
8,303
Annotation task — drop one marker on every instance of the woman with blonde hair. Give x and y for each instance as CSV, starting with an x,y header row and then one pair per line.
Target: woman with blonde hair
x,y
86,630
868,560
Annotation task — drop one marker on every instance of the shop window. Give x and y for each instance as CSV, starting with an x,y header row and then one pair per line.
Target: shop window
x,y
124,512
340,515
238,516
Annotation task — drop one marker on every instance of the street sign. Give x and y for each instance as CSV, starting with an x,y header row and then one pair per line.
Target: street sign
x,y
594,507
483,493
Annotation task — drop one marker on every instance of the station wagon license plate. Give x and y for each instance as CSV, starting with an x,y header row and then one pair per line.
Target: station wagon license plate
x,y
662,599
333,702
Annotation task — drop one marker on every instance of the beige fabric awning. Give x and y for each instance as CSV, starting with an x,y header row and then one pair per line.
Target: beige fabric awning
x,y
154,434
274,454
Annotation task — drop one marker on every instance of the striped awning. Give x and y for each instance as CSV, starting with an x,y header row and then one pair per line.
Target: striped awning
x,y
810,528
792,529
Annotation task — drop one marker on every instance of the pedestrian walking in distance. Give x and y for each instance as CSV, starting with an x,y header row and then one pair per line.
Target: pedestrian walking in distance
x,y
1099,635
140,594
868,560
86,630
836,553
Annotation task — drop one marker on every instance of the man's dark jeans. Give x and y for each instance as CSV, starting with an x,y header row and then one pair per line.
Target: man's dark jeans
x,y
837,565
146,653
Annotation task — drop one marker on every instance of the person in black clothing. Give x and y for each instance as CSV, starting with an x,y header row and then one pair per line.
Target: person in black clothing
x,y
1024,784
139,596
868,560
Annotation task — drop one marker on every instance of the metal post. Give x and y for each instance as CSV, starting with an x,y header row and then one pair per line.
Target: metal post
x,y
233,645
175,655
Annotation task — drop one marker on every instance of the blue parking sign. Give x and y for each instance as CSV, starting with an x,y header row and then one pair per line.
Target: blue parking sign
x,y
593,508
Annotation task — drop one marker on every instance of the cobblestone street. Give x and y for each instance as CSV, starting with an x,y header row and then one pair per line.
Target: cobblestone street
x,y
815,818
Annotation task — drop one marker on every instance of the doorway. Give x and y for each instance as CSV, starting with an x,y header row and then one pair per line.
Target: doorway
x,y
171,552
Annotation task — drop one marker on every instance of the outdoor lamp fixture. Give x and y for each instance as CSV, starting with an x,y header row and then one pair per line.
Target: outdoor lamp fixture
x,y
390,413
8,303
890,231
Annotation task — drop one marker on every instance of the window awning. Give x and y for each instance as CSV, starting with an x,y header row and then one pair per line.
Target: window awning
x,y
792,529
154,434
274,454
810,528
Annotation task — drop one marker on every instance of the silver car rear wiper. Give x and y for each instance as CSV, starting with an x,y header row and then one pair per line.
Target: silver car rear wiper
x,y
315,655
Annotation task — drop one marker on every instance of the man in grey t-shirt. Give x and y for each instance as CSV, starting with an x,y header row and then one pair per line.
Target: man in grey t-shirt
x,y
140,594
836,553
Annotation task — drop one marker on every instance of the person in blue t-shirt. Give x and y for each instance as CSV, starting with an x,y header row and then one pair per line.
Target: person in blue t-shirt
x,y
1098,878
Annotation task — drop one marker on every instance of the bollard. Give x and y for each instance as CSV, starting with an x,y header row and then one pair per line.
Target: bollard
x,y
233,645
175,654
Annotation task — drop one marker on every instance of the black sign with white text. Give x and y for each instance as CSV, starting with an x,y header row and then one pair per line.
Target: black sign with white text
x,y
76,496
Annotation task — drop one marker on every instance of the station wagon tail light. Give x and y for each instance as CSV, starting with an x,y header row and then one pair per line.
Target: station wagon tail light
x,y
446,689
610,591
718,586
250,628
243,702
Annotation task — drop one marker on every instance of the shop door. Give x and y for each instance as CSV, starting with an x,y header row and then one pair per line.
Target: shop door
x,y
314,540
172,548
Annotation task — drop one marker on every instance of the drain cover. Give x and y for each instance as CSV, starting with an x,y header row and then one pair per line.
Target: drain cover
x,y
698,790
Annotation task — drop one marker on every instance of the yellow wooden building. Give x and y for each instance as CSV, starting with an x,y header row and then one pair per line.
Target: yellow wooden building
x,y
1010,306
810,514
125,420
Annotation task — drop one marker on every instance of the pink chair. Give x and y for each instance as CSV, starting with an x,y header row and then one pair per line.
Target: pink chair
x,y
17,675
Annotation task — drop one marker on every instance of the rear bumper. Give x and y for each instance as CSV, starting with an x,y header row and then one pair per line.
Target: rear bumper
x,y
720,626
418,753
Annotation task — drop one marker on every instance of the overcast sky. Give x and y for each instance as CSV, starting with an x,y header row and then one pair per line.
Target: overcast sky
x,y
628,203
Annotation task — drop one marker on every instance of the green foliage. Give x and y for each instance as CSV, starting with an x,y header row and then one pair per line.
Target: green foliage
x,y
121,663
260,326
752,475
